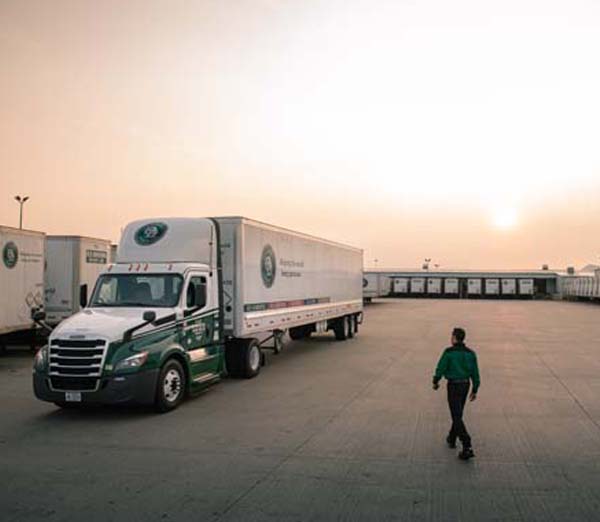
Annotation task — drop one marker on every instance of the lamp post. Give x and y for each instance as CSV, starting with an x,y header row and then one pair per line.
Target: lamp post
x,y
21,201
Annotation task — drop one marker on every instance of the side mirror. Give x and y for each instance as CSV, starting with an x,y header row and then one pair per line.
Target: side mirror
x,y
83,296
149,316
38,315
200,296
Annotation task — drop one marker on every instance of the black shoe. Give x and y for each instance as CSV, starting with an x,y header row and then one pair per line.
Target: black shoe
x,y
451,443
466,454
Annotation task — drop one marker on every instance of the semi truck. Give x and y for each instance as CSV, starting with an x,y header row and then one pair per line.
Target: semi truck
x,y
71,262
191,300
21,280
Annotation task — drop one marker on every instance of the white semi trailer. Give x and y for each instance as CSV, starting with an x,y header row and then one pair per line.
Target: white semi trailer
x,y
376,285
526,287
451,287
190,300
492,287
21,278
474,286
509,287
417,285
400,285
71,262
434,286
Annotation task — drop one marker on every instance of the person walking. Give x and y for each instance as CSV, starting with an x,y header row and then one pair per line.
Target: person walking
x,y
458,364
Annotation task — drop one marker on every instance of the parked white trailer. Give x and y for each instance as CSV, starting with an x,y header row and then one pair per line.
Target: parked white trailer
x,y
492,287
417,285
526,287
71,262
21,277
375,285
509,287
190,300
434,285
451,286
474,286
400,285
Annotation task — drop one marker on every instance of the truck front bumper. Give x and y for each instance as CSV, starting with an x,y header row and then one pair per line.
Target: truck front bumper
x,y
136,388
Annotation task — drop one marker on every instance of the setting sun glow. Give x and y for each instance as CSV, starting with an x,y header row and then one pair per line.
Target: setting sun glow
x,y
505,218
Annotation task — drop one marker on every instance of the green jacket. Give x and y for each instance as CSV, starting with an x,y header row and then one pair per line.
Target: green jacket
x,y
458,362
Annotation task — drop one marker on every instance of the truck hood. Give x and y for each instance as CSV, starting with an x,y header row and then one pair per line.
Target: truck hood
x,y
107,323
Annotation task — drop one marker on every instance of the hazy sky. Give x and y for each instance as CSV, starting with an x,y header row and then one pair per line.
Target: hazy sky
x,y
468,132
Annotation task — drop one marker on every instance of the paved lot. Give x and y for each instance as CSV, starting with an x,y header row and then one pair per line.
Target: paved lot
x,y
335,431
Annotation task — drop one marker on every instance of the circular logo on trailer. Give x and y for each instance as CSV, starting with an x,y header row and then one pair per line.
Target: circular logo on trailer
x,y
150,233
365,283
268,266
10,255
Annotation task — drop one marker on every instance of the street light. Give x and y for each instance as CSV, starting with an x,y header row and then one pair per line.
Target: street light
x,y
21,201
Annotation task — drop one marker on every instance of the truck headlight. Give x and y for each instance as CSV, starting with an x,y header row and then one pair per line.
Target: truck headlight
x,y
40,361
133,362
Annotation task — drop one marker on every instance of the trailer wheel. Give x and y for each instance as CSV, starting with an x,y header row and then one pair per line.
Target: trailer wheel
x,y
277,342
350,320
340,328
301,332
170,387
243,358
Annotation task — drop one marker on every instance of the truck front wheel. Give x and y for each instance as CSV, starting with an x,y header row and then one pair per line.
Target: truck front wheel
x,y
170,387
243,357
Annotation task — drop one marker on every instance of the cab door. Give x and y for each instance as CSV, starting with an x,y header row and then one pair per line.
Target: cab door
x,y
198,330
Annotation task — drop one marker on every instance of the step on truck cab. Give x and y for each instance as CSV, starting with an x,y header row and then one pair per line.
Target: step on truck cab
x,y
190,300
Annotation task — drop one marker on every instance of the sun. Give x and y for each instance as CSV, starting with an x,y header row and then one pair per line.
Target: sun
x,y
505,218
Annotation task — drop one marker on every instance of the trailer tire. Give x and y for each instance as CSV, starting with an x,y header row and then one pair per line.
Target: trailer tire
x,y
170,386
301,332
340,328
243,358
350,320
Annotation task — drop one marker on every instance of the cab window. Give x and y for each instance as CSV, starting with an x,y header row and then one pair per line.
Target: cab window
x,y
196,292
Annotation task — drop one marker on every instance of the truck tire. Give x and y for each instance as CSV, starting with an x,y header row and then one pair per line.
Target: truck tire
x,y
301,332
170,386
350,326
340,328
243,358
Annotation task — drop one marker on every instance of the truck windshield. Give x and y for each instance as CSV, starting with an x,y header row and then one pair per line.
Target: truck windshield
x,y
136,290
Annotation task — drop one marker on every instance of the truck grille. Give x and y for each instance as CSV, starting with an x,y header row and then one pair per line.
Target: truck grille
x,y
77,357
74,383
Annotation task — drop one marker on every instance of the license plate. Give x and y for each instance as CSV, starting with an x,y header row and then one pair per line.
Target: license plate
x,y
73,396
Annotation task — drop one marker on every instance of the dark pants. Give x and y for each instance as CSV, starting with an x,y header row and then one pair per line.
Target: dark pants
x,y
457,397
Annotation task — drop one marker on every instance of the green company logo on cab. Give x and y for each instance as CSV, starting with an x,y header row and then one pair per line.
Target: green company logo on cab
x,y
268,266
10,255
150,233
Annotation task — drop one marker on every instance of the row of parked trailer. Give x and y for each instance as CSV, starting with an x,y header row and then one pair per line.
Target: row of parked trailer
x,y
384,285
40,271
